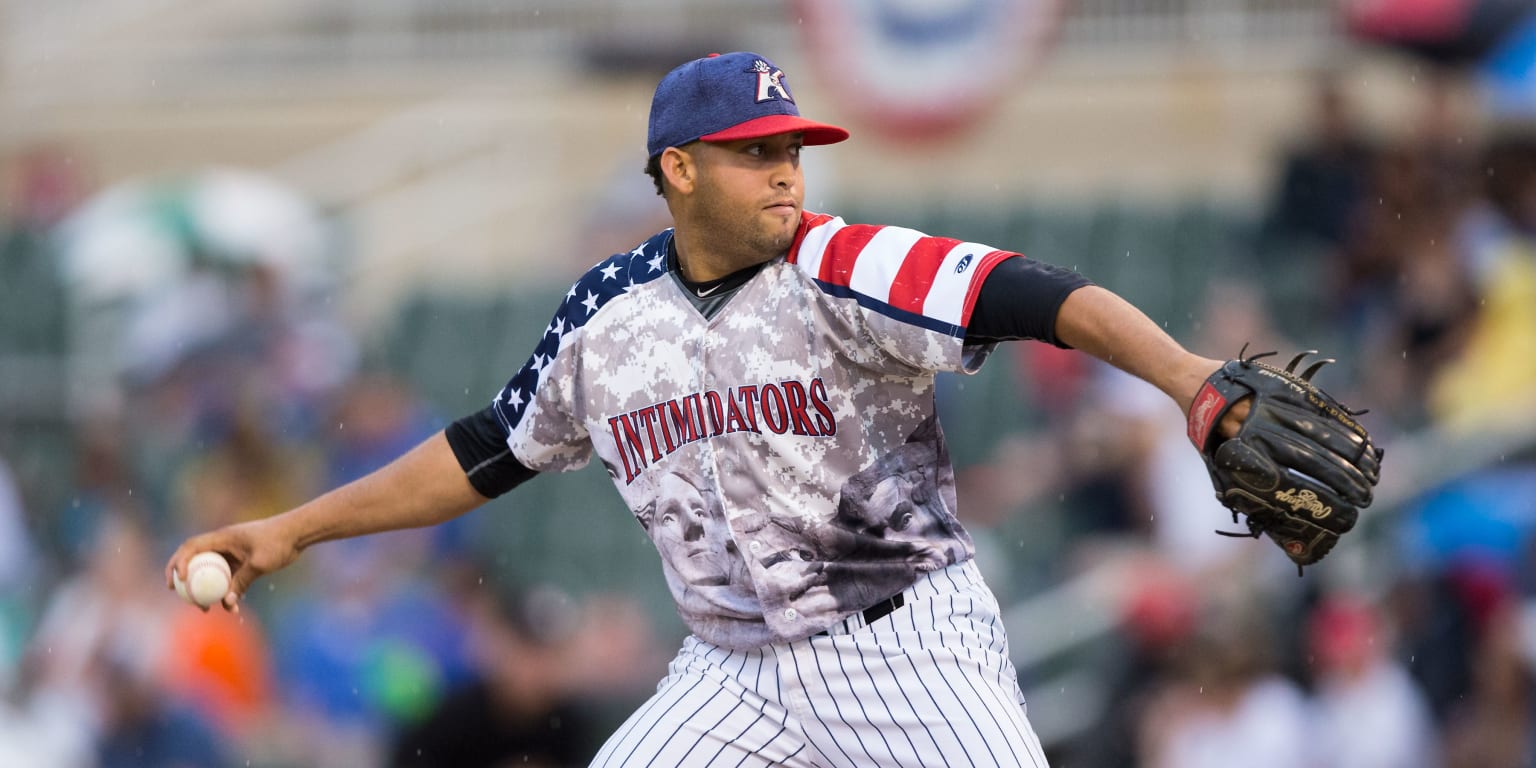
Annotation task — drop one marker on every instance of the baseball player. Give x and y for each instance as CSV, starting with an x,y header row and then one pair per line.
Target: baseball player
x,y
758,381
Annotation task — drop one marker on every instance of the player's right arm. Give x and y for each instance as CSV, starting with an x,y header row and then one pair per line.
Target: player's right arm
x,y
423,487
455,470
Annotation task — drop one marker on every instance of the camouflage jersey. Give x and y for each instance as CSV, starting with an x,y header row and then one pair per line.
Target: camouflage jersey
x,y
782,452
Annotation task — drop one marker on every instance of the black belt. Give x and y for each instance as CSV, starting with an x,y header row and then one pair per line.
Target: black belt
x,y
879,610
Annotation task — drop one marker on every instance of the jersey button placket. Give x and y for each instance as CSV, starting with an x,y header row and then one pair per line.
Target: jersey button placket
x,y
708,456
701,383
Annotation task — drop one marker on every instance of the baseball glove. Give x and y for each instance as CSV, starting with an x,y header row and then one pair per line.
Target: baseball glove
x,y
1299,469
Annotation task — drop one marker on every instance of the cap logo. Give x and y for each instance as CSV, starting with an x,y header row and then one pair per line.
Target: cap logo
x,y
770,83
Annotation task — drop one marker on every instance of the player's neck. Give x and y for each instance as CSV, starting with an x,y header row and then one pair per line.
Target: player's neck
x,y
700,263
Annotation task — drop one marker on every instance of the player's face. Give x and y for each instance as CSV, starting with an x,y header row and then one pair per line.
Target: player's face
x,y
690,535
899,509
749,193
896,514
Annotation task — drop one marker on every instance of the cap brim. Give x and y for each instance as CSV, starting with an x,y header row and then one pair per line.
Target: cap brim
x,y
773,125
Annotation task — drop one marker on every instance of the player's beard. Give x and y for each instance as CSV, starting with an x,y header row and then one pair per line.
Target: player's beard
x,y
744,238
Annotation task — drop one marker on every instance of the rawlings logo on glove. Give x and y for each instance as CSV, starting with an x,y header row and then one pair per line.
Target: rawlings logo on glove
x,y
1299,468
1305,500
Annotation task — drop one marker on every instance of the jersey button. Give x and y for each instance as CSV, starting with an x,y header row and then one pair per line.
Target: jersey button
x,y
755,546
791,614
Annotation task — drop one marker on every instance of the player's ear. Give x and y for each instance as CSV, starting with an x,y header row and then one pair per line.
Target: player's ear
x,y
680,169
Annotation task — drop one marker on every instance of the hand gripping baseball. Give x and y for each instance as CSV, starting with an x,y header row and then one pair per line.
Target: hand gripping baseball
x,y
1299,468
253,549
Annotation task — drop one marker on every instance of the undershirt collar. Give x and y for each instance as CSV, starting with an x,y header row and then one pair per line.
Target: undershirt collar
x,y
709,296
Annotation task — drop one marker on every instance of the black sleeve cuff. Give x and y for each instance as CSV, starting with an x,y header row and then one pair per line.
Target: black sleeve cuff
x,y
480,445
1019,300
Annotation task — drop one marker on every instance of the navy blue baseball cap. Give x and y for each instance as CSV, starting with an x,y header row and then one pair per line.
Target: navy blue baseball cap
x,y
725,97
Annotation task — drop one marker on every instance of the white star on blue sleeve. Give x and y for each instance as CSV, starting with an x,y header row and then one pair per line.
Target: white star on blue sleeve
x,y
590,303
655,262
610,271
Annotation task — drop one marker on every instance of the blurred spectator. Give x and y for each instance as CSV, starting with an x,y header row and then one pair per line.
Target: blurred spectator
x,y
105,614
17,557
45,730
614,652
237,366
1226,706
1492,373
1397,184
1102,452
364,645
518,708
18,563
219,664
245,471
1439,632
1402,292
374,418
371,420
141,727
1323,178
1414,316
44,183
95,670
1444,135
102,480
1492,727
1369,712
1159,616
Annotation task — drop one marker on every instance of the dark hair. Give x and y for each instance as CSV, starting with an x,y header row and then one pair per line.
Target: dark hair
x,y
653,170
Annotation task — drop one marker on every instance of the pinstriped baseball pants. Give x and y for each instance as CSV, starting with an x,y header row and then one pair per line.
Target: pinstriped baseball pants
x,y
930,684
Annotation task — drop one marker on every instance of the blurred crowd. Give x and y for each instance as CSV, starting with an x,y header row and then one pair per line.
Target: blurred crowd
x,y
211,381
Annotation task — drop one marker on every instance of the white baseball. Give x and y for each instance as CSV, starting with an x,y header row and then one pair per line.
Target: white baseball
x,y
208,578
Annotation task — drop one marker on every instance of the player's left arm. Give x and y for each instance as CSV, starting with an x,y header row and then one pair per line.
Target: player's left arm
x,y
1027,299
1100,323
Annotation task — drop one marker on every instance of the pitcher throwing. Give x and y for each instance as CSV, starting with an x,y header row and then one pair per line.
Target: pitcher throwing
x,y
759,383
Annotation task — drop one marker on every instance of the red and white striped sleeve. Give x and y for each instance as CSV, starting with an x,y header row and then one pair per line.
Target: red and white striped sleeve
x,y
896,275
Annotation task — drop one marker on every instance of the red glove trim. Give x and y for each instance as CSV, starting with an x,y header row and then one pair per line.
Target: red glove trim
x,y
1208,406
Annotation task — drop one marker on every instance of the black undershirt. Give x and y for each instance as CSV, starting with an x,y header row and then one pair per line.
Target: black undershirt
x,y
709,296
1019,300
